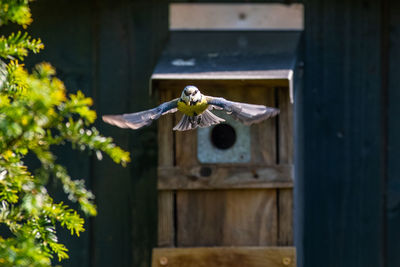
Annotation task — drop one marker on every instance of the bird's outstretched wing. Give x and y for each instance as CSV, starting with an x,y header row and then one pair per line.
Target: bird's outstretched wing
x,y
140,119
243,112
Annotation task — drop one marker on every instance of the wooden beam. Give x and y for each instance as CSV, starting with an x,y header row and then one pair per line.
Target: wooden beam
x,y
225,177
225,257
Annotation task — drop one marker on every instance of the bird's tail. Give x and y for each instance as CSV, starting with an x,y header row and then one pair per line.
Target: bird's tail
x,y
207,118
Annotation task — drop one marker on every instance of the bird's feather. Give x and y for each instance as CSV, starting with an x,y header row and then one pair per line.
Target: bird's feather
x,y
140,119
207,118
243,112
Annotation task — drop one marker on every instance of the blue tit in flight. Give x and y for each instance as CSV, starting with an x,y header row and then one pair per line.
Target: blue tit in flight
x,y
196,109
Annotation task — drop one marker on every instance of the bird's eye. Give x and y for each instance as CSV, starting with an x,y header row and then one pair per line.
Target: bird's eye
x,y
187,92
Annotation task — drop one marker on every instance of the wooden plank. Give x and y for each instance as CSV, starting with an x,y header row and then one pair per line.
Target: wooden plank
x,y
263,135
393,143
250,218
285,217
217,16
225,257
285,130
339,183
225,177
286,138
227,218
165,134
200,217
166,233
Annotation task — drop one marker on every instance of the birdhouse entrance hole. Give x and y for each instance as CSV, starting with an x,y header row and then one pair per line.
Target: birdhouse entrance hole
x,y
223,136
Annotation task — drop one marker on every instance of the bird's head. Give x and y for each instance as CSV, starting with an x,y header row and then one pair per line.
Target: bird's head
x,y
191,94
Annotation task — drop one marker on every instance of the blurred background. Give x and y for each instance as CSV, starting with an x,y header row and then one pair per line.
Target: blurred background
x,y
347,176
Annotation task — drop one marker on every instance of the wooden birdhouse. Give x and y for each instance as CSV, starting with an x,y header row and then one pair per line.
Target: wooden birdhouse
x,y
226,192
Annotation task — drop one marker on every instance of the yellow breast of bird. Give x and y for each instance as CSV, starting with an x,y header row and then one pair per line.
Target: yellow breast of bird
x,y
193,110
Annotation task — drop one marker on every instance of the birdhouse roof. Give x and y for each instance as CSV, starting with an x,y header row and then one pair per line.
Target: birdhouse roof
x,y
230,55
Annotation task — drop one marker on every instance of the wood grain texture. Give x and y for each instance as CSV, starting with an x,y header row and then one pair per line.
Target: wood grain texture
x,y
339,183
165,134
227,218
225,257
250,218
286,150
225,177
166,232
219,16
263,135
285,217
200,218
285,130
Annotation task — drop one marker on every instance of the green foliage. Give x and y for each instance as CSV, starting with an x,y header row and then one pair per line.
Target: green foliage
x,y
37,114
16,11
18,45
